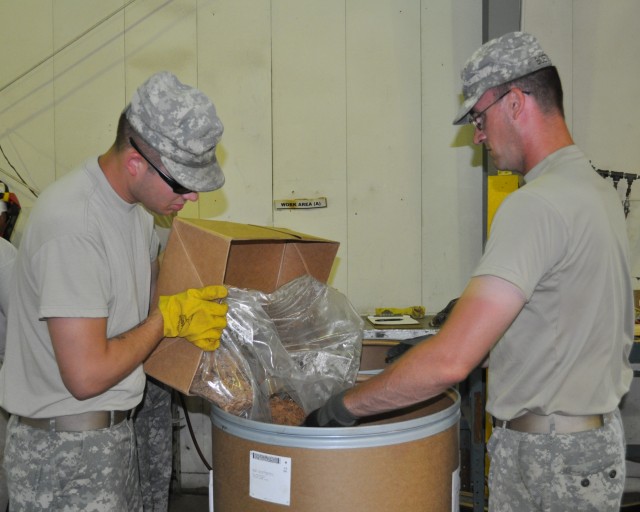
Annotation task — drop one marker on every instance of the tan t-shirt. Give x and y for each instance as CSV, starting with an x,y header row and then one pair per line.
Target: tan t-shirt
x,y
562,239
85,253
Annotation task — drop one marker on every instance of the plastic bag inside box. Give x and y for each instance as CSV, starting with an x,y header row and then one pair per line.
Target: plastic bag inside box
x,y
302,342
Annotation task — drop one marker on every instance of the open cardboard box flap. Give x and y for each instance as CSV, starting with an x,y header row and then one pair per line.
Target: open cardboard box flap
x,y
205,252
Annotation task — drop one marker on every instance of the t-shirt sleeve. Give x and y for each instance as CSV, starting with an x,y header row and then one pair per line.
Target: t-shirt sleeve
x,y
526,241
74,279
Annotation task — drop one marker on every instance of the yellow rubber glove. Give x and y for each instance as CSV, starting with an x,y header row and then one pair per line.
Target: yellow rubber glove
x,y
195,315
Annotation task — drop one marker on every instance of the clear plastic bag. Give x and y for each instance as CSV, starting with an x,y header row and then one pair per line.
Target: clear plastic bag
x,y
224,379
322,333
301,343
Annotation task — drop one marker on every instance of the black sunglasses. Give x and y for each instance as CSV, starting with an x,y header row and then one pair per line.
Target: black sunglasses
x,y
175,186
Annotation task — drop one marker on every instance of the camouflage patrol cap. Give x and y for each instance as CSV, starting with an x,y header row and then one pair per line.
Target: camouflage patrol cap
x,y
181,124
497,62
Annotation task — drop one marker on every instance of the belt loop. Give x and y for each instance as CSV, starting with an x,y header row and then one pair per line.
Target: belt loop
x,y
500,423
112,418
52,424
552,424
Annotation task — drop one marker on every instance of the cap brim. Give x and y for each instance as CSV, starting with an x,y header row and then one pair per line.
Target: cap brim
x,y
467,105
198,179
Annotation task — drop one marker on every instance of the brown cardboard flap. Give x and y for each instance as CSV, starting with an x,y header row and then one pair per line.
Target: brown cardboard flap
x,y
305,258
174,362
191,260
268,264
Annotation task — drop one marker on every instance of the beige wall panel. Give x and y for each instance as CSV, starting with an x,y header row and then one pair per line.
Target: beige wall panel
x,y
383,153
27,127
551,21
309,119
606,49
26,97
25,37
606,77
451,164
234,70
88,79
161,36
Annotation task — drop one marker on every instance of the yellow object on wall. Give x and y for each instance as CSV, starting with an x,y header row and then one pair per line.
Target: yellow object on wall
x,y
498,187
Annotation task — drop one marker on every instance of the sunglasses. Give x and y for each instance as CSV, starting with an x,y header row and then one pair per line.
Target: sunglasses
x,y
175,186
477,118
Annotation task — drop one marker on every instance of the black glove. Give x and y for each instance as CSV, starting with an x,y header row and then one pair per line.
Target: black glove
x,y
331,414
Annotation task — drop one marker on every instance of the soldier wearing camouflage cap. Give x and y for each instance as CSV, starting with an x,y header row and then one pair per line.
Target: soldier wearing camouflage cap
x,y
557,350
83,321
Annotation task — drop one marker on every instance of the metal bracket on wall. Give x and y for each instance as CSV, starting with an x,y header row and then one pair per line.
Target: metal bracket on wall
x,y
618,176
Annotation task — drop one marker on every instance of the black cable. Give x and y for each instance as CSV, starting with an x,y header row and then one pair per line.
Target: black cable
x,y
627,201
192,433
20,178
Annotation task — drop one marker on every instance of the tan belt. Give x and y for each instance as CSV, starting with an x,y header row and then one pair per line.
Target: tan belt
x,y
539,424
78,422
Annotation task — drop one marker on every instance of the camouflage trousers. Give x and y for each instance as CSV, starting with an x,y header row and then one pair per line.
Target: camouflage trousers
x,y
582,472
92,471
4,491
153,427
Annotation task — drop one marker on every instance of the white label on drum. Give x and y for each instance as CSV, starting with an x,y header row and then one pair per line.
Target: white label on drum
x,y
270,477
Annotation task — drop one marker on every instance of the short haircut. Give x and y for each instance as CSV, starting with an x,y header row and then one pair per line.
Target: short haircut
x,y
544,85
124,132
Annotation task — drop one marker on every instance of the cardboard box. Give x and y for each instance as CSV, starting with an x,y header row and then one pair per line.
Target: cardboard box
x,y
206,252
